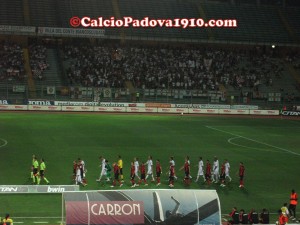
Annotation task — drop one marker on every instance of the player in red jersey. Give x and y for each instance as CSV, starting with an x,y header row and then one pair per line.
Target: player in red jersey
x,y
186,168
74,170
171,175
132,174
222,175
143,174
208,172
158,172
241,174
116,173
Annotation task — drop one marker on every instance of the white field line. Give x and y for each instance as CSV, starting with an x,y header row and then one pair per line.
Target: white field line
x,y
4,142
230,141
259,142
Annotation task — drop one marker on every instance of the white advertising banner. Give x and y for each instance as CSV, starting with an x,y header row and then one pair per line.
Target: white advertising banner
x,y
141,109
103,104
264,112
234,111
151,207
151,110
78,108
211,111
172,110
44,107
11,189
109,109
21,29
13,107
195,111
165,110
71,32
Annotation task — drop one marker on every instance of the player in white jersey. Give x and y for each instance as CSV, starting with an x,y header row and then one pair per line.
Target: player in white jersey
x,y
227,169
136,167
149,164
200,170
172,163
216,170
78,174
103,170
83,168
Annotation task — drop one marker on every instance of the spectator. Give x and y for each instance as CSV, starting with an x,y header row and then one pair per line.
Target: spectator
x,y
264,217
253,217
38,60
243,217
234,214
169,67
11,61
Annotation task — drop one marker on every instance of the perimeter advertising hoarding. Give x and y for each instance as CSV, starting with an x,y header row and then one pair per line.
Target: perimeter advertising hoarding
x,y
165,207
290,113
5,189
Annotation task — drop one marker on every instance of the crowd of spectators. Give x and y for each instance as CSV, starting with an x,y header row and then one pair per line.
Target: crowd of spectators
x,y
170,67
293,57
11,61
38,60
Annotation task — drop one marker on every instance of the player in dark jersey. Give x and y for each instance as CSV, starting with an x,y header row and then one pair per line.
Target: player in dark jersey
x,y
74,169
222,175
158,172
116,175
143,174
208,172
241,174
132,175
171,175
186,168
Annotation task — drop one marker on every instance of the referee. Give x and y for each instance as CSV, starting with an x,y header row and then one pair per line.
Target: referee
x,y
120,165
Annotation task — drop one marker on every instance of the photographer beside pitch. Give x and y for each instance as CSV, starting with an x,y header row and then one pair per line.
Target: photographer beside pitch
x,y
7,220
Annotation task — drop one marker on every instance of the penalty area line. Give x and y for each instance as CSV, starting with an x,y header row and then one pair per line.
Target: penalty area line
x,y
259,142
230,141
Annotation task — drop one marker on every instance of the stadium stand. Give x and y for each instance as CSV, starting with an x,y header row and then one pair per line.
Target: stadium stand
x,y
9,18
44,13
255,24
165,10
11,66
247,67
293,16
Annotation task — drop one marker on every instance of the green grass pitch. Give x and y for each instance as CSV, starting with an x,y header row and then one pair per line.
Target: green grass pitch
x,y
269,148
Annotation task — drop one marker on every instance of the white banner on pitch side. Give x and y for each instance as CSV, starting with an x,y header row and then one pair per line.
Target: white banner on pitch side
x,y
155,206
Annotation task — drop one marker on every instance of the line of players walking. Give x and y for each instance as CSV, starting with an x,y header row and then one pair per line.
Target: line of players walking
x,y
140,172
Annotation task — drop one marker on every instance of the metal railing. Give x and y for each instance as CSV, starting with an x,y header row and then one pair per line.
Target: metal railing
x,y
20,94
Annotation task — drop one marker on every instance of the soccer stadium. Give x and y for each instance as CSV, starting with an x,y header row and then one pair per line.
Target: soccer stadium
x,y
172,112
